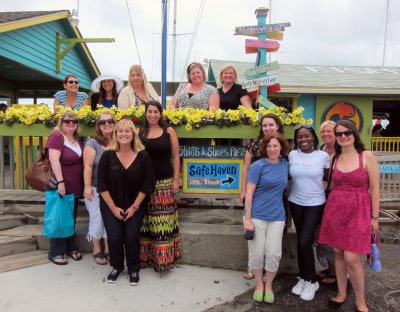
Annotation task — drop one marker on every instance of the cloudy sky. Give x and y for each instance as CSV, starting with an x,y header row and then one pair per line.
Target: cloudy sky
x,y
322,32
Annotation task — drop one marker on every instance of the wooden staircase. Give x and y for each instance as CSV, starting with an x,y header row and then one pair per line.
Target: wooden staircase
x,y
18,252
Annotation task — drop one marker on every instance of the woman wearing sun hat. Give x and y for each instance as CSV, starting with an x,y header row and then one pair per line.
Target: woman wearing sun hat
x,y
105,90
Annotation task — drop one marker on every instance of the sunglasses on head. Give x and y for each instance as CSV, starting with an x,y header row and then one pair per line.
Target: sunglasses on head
x,y
70,121
73,82
107,121
302,126
346,133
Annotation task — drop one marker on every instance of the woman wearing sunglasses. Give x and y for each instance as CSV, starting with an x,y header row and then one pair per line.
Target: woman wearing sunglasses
x,y
94,148
70,96
308,167
352,211
65,155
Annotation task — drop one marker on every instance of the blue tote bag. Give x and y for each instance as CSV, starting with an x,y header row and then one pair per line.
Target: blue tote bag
x,y
58,215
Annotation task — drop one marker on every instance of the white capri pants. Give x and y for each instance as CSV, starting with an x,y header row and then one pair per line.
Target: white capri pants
x,y
267,244
96,225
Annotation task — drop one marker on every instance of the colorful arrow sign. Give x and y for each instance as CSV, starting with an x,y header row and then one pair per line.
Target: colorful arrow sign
x,y
260,29
265,102
252,46
263,81
255,71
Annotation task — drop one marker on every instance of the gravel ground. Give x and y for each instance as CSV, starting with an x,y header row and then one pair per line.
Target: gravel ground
x,y
377,285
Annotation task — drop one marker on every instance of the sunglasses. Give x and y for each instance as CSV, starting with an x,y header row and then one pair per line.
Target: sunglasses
x,y
73,82
107,121
70,121
346,133
302,126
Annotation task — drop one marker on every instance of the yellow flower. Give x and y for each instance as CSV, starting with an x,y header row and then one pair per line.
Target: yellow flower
x,y
189,117
188,127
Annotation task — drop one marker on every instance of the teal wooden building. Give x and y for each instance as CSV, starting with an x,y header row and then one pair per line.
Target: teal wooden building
x,y
31,64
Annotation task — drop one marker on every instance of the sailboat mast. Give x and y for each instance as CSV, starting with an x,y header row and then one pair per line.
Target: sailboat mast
x,y
385,36
174,42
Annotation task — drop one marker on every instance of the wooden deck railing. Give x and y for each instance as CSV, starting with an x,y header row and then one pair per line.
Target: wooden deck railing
x,y
385,144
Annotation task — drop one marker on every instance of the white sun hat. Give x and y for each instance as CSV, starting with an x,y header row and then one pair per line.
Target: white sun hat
x,y
95,86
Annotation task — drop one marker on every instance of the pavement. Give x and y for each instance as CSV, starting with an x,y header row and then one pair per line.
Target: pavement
x,y
81,286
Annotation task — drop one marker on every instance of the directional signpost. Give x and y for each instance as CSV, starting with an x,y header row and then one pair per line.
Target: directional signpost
x,y
258,75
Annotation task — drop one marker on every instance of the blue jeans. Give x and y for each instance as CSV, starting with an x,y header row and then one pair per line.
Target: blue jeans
x,y
60,246
306,220
123,238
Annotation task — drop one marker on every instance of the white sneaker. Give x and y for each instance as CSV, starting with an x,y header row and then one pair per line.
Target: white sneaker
x,y
298,288
309,291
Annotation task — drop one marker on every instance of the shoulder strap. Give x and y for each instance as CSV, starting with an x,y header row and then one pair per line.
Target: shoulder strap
x,y
331,169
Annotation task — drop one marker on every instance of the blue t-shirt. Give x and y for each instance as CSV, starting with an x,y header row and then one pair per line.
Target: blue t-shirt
x,y
271,181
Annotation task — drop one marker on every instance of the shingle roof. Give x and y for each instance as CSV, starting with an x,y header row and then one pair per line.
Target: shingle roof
x,y
326,79
7,17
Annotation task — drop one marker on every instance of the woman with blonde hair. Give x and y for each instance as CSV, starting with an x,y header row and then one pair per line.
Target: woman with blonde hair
x,y
125,182
65,155
231,94
138,91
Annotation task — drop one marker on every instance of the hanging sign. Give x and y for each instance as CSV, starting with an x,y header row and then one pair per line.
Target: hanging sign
x,y
263,81
255,71
252,46
260,29
212,175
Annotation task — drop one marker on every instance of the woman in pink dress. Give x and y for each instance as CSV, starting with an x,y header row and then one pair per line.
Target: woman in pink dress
x,y
352,211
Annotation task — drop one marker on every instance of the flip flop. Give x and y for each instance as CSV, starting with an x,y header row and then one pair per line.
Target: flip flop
x,y
329,279
101,257
323,273
75,255
249,274
60,257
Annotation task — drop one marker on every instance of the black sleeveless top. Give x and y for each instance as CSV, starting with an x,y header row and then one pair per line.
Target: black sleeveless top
x,y
160,152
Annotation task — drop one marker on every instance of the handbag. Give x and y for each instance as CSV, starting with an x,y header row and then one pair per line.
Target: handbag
x,y
39,175
59,215
373,257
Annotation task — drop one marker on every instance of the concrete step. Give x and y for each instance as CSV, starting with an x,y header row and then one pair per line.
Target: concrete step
x,y
23,260
11,220
10,245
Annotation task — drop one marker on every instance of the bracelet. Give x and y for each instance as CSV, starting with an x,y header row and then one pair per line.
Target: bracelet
x,y
135,208
375,218
59,182
246,211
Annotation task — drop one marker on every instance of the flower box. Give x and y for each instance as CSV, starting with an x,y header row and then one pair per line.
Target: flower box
x,y
212,132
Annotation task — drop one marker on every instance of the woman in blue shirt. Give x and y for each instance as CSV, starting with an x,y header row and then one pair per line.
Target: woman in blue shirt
x,y
265,212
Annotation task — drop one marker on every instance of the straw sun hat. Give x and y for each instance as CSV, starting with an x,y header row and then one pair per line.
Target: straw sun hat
x,y
95,86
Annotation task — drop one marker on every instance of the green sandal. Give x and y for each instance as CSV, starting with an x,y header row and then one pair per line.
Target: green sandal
x,y
258,296
269,297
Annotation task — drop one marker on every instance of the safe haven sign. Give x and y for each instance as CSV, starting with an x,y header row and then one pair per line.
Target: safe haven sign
x,y
212,176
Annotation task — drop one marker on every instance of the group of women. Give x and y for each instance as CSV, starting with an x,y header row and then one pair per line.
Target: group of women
x,y
346,218
129,187
109,90
136,174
